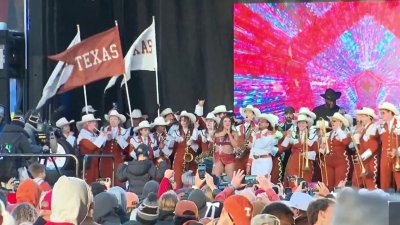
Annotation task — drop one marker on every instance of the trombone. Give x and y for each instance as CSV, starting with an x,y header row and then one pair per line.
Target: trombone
x,y
324,139
306,166
364,171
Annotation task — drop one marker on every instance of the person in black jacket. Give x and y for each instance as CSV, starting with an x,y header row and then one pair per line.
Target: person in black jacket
x,y
139,171
14,139
330,107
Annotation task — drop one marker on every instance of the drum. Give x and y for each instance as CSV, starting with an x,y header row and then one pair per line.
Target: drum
x,y
63,163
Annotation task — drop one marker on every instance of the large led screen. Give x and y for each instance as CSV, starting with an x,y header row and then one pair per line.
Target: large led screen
x,y
288,54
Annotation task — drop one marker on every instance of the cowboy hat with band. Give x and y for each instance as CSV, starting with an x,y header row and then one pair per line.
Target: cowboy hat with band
x,y
115,113
367,111
63,121
250,108
330,94
191,116
341,118
86,118
159,121
143,124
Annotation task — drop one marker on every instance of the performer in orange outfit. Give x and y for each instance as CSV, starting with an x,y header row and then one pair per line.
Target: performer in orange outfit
x,y
116,144
299,143
185,137
90,143
389,132
367,140
337,162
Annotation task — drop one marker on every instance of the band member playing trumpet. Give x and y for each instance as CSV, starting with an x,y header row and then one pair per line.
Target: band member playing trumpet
x,y
144,137
246,131
389,131
300,161
366,138
184,143
225,140
264,146
115,145
90,143
337,162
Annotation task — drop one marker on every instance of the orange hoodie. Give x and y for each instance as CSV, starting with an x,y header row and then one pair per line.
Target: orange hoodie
x,y
29,191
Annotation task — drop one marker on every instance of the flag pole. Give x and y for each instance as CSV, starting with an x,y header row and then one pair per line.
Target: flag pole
x,y
127,90
84,86
156,70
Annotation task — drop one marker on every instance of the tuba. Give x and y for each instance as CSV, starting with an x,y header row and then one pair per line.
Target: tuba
x,y
187,157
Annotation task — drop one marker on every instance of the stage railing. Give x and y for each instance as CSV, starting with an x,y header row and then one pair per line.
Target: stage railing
x,y
86,157
46,155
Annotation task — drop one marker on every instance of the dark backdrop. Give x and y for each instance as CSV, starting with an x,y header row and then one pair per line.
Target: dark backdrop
x,y
194,45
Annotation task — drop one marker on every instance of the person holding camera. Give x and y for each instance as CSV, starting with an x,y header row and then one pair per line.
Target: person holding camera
x,y
139,171
263,147
14,140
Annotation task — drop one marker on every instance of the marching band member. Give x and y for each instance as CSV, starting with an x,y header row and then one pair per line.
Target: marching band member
x,y
90,143
337,163
264,146
300,145
225,140
116,144
389,131
144,137
66,132
366,138
281,159
246,131
183,142
207,135
161,136
137,117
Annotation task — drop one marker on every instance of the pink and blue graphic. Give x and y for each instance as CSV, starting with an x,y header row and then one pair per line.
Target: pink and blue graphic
x,y
287,54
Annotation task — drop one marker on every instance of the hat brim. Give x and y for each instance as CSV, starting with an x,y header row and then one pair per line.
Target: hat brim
x,y
361,112
79,124
64,124
121,117
136,129
191,117
334,97
344,121
256,111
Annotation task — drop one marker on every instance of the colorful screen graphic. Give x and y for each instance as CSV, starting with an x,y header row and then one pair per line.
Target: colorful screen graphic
x,y
287,54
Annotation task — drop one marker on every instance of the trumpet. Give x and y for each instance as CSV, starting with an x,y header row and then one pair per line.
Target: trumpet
x,y
397,166
187,157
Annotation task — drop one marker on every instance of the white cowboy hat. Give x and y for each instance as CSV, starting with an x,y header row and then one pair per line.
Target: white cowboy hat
x,y
366,111
114,112
251,108
143,124
211,116
166,111
159,121
220,109
390,107
324,123
136,114
306,111
90,109
86,118
340,117
272,119
191,116
63,121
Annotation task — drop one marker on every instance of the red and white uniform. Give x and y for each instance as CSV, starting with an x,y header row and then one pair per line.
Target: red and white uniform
x,y
368,145
262,150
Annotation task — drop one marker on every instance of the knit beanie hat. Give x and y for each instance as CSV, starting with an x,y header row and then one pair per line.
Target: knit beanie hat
x,y
199,198
148,210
